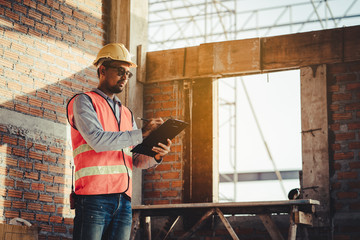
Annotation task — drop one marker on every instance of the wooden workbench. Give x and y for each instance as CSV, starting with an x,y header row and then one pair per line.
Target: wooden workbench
x,y
300,212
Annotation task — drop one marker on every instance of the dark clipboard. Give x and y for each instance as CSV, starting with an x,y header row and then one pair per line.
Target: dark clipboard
x,y
168,130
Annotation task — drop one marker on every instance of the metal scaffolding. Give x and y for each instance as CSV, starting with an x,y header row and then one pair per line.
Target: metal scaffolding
x,y
183,23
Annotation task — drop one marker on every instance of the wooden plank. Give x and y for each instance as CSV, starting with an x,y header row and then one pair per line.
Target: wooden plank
x,y
293,224
165,65
315,156
271,227
191,62
141,62
230,57
227,224
171,228
248,56
302,49
226,208
303,218
135,224
202,139
8,232
351,43
148,227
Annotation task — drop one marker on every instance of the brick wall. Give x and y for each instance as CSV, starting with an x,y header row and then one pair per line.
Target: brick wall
x,y
46,51
163,185
344,119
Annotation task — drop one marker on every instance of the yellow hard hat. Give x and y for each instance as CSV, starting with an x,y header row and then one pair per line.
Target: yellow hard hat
x,y
116,52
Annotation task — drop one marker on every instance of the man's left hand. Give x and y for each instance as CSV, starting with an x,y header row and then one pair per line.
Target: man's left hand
x,y
162,150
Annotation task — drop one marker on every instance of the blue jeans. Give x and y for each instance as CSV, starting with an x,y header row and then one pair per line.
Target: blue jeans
x,y
102,217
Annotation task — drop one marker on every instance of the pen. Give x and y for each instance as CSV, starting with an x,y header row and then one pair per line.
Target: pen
x,y
144,119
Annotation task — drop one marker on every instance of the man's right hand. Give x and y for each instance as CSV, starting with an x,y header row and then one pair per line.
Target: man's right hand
x,y
151,125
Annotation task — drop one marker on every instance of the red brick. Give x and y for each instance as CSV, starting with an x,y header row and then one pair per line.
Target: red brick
x,y
14,193
43,9
22,185
176,184
45,198
347,195
16,173
6,3
35,155
354,145
32,175
27,21
353,185
10,140
347,175
353,126
17,204
161,185
46,178
9,182
31,196
24,164
37,186
21,9
169,194
163,167
354,165
341,116
42,217
152,194
49,208
157,202
11,214
344,136
56,219
171,175
18,152
60,229
42,27
34,206
346,77
28,216
352,106
53,189
12,15
343,155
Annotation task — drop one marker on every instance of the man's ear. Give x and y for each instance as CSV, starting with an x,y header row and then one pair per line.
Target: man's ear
x,y
102,70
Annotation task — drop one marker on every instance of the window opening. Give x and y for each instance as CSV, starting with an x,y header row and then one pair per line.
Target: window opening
x,y
259,136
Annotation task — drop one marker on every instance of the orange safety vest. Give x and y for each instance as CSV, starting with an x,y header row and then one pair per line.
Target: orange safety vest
x,y
101,172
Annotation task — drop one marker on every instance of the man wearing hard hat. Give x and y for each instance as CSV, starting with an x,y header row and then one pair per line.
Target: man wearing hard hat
x,y
102,133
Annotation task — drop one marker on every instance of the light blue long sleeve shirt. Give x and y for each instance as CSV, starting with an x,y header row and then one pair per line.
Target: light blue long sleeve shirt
x,y
90,128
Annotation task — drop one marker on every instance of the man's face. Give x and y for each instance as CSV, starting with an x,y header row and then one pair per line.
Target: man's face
x,y
115,76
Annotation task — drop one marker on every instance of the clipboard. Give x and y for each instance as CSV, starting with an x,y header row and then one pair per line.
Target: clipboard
x,y
168,130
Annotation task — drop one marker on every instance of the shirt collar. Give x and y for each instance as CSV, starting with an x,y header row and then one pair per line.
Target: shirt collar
x,y
116,99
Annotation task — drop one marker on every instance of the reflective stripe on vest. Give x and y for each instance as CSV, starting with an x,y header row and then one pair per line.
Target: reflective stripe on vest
x,y
86,147
102,170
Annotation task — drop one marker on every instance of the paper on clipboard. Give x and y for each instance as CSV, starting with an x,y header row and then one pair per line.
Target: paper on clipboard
x,y
168,130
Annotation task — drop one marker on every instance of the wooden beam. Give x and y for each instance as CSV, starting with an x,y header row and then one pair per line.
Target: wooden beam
x,y
303,218
249,56
302,49
314,116
229,58
227,224
271,227
351,44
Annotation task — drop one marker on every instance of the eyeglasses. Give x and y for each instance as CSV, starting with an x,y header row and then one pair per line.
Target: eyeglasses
x,y
122,71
